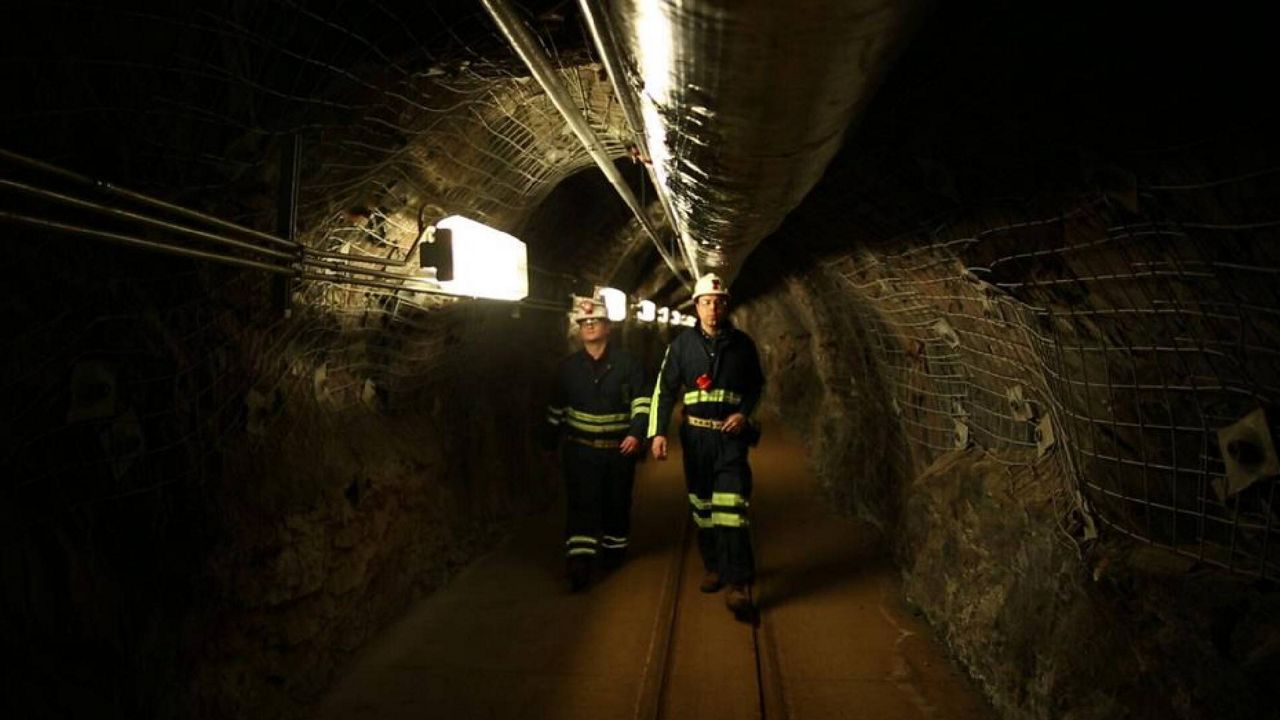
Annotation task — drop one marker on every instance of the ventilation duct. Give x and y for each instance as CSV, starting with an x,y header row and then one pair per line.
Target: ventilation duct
x,y
744,102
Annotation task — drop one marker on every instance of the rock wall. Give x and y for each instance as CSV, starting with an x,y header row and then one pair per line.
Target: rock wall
x,y
1053,536
211,508
1012,320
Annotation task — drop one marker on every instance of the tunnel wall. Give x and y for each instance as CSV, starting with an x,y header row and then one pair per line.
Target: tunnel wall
x,y
212,507
1107,572
1040,278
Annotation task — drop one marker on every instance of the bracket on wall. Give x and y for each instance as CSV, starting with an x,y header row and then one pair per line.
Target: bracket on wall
x,y
1019,407
961,434
1248,452
1045,439
943,330
437,253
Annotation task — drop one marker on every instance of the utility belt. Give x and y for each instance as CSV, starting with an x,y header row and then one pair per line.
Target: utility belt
x,y
707,423
597,444
750,433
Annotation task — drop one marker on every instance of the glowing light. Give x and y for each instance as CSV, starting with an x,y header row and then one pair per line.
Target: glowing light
x,y
664,315
677,317
689,321
615,303
655,50
648,311
487,263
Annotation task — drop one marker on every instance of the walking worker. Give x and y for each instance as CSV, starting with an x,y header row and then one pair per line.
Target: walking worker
x,y
719,368
601,409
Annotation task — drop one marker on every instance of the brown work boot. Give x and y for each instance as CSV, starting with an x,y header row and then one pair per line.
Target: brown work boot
x,y
711,582
578,570
739,603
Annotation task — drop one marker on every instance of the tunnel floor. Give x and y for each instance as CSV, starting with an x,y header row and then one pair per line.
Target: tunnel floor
x,y
506,639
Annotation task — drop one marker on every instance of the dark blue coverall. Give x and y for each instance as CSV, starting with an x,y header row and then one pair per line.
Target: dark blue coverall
x,y
595,404
715,463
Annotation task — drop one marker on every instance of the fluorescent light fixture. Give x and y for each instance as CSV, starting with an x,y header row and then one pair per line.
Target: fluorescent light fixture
x,y
648,311
487,263
664,314
615,303
677,317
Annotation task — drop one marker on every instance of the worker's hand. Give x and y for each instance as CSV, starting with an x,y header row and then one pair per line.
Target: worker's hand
x,y
734,423
660,447
629,445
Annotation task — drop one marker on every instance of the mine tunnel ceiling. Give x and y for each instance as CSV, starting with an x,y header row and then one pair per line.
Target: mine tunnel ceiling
x,y
408,114
733,126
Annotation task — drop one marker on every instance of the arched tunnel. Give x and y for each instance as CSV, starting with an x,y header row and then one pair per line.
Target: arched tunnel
x,y
1012,270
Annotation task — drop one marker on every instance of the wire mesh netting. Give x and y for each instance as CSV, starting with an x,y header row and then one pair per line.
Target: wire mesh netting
x,y
403,116
1136,349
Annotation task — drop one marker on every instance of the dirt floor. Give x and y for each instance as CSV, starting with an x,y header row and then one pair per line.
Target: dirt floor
x,y
507,640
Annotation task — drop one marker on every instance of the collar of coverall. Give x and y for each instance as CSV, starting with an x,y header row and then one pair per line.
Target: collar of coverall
x,y
725,328
604,355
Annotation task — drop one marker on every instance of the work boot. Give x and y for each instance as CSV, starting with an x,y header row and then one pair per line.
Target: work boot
x,y
739,603
711,582
579,572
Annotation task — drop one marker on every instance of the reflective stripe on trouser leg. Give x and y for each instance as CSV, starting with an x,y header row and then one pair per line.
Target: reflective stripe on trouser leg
x,y
582,500
700,509
598,484
716,469
580,545
729,510
698,454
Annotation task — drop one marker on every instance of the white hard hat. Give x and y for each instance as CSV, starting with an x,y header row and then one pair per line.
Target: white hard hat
x,y
710,284
587,308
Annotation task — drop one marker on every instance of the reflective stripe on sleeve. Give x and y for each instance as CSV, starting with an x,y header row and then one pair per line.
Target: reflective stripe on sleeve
x,y
702,522
555,415
654,400
640,406
613,542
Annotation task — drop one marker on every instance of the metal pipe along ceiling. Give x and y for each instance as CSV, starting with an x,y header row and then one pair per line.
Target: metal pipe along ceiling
x,y
744,102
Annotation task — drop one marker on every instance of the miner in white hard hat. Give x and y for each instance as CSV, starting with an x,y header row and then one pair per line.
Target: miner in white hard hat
x,y
600,409
717,368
